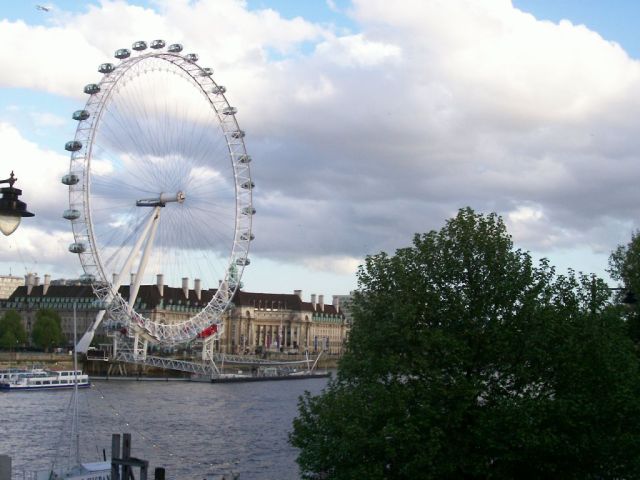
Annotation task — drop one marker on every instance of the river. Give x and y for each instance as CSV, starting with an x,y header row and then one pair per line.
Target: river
x,y
195,430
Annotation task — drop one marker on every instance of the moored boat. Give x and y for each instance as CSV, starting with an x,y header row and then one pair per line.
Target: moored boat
x,y
83,471
40,379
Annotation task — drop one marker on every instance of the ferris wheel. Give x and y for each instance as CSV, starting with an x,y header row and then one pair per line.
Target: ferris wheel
x,y
159,188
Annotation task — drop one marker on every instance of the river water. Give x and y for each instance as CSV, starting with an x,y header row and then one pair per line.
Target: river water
x,y
195,430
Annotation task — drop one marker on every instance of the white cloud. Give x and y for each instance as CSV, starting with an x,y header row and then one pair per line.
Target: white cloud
x,y
360,140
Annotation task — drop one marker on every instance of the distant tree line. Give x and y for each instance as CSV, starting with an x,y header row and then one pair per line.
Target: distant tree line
x,y
45,334
469,360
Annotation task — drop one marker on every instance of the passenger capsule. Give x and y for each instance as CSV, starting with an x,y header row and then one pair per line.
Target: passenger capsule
x,y
70,179
80,115
229,111
157,44
243,262
123,53
249,185
247,236
91,89
139,46
237,134
71,214
191,57
106,68
73,146
218,90
207,72
248,211
175,48
77,247
244,158
87,278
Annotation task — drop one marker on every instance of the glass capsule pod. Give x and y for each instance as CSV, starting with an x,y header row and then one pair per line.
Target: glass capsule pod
x,y
191,57
247,236
106,68
71,214
207,72
73,146
80,115
175,48
87,278
218,90
248,185
77,247
229,111
244,158
157,44
91,88
70,179
238,134
123,53
248,211
243,262
139,46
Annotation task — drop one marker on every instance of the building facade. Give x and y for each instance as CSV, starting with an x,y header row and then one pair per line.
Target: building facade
x,y
255,323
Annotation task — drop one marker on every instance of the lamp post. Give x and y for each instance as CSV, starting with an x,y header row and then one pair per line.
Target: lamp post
x,y
11,209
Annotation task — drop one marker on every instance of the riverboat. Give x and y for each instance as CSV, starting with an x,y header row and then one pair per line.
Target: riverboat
x,y
83,471
40,379
9,373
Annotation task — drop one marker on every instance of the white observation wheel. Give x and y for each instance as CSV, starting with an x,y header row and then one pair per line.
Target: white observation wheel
x,y
160,192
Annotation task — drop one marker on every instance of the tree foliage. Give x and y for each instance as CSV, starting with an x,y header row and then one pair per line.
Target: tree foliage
x,y
624,267
466,360
12,333
47,331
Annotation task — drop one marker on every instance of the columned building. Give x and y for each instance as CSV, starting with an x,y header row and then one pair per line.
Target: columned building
x,y
255,323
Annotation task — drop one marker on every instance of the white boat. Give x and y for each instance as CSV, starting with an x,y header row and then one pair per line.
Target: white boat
x,y
9,373
83,471
40,379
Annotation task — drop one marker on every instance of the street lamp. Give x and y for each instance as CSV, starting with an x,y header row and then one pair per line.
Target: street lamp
x,y
11,209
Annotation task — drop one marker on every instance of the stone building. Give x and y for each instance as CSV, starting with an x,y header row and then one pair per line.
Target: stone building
x,y
8,284
255,323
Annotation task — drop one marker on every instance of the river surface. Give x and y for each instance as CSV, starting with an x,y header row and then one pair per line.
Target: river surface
x,y
195,430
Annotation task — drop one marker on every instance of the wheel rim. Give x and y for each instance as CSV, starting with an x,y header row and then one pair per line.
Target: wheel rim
x,y
157,123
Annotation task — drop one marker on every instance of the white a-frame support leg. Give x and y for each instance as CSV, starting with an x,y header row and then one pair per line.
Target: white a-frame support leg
x,y
85,341
140,346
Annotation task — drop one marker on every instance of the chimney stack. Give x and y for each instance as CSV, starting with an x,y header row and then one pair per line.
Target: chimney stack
x,y
36,281
198,288
321,302
185,286
28,281
336,303
298,293
313,301
47,282
160,284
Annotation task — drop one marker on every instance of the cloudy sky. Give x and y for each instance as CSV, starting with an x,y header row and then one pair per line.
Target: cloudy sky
x,y
367,120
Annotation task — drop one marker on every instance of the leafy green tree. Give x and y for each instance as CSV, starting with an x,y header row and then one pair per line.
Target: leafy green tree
x,y
466,360
12,333
624,267
47,331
